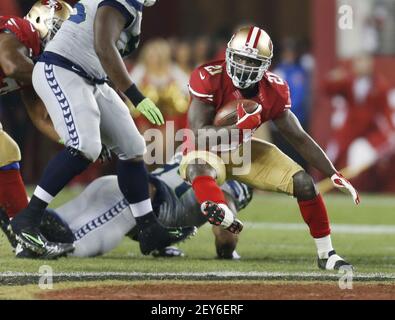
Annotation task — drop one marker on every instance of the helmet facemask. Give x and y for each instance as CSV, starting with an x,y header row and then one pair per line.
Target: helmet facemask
x,y
244,68
54,24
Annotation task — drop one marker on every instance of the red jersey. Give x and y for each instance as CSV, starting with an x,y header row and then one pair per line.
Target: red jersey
x,y
28,36
211,84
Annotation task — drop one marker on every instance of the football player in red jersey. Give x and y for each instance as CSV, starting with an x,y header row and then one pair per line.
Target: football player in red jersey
x,y
244,75
20,42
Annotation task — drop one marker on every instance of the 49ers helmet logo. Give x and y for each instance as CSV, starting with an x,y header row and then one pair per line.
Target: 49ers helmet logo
x,y
55,4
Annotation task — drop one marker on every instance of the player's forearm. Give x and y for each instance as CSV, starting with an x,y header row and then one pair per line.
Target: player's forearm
x,y
46,128
14,60
114,67
38,114
200,119
108,26
313,154
292,131
18,68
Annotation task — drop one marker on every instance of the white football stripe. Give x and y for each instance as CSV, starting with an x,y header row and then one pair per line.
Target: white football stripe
x,y
253,37
201,95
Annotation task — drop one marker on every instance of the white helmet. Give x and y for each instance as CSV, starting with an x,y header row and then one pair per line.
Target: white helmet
x,y
248,56
149,3
47,16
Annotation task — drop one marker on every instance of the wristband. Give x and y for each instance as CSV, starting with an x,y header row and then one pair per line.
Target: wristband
x,y
134,95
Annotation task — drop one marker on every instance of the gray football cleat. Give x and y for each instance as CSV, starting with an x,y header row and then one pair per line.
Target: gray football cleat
x,y
32,239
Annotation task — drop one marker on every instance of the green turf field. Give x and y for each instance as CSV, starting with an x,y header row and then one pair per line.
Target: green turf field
x,y
274,242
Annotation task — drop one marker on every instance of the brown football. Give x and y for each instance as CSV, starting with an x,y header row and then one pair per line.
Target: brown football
x,y
227,114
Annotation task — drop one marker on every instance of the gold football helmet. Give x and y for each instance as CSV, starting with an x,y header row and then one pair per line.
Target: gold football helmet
x,y
47,16
248,56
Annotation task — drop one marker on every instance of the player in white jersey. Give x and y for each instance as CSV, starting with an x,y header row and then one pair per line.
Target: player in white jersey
x,y
98,219
70,79
81,26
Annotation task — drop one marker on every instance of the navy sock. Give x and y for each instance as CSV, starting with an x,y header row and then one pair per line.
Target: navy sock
x,y
133,180
59,172
36,209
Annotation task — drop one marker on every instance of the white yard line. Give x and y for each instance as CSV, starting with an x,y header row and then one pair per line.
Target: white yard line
x,y
224,275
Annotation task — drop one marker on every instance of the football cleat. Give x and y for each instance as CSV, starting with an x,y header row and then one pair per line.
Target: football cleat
x,y
221,215
157,237
32,239
24,253
55,229
333,262
55,250
6,228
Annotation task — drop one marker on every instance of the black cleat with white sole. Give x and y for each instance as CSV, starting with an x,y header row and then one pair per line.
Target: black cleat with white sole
x,y
333,262
157,237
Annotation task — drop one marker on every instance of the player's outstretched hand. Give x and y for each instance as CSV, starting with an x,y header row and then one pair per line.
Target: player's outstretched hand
x,y
247,120
151,111
344,185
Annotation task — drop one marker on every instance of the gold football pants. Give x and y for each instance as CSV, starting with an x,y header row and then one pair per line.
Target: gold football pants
x,y
263,166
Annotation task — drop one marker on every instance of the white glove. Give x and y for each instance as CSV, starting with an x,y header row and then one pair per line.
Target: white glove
x,y
343,184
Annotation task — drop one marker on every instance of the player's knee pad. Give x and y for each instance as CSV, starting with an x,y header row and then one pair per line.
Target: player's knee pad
x,y
199,170
303,186
212,159
9,150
